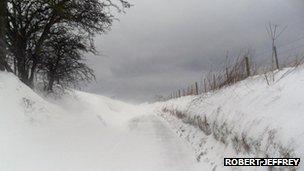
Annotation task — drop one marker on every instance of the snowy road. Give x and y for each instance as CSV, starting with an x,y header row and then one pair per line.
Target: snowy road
x,y
149,144
144,143
85,132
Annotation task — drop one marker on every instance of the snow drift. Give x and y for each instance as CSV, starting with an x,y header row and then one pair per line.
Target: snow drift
x,y
71,133
83,132
261,116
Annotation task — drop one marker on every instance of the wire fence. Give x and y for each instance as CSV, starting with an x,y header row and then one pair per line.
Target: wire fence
x,y
242,68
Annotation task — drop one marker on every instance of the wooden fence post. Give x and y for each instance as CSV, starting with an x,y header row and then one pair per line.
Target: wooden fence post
x,y
247,65
276,57
205,85
196,88
214,82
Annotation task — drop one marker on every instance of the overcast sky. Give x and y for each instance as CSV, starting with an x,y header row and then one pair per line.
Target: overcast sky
x,y
161,45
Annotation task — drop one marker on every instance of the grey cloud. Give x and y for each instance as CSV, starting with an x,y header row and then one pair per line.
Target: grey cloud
x,y
161,45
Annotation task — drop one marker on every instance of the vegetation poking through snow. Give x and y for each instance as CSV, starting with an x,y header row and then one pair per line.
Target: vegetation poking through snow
x,y
265,146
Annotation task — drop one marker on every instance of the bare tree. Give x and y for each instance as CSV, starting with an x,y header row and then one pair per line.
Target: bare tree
x,y
29,25
63,63
274,33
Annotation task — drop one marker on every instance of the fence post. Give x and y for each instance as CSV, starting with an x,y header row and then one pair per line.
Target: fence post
x,y
214,83
276,57
196,88
205,85
247,65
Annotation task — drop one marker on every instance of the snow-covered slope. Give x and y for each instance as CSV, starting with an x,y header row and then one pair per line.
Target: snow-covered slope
x,y
261,116
40,135
257,117
83,132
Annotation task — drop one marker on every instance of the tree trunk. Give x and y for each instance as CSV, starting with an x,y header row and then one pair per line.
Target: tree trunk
x,y
21,65
2,34
3,63
32,72
51,82
23,68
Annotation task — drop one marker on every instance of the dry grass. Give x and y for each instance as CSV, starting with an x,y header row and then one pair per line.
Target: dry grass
x,y
242,68
239,141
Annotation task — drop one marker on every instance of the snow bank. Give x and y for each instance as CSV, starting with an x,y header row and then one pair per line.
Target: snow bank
x,y
72,133
83,132
108,111
19,104
257,117
261,116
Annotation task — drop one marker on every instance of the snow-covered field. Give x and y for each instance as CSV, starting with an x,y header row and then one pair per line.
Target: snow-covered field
x,y
87,132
